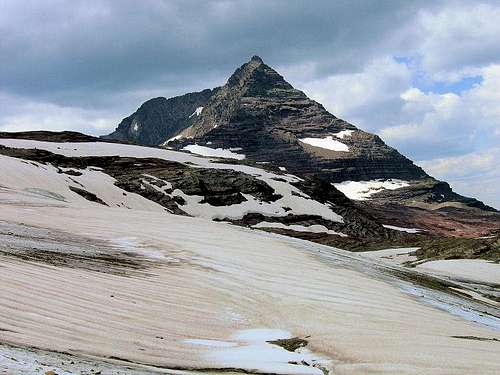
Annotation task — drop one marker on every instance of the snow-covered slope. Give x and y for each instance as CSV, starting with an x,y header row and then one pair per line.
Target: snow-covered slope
x,y
292,200
129,283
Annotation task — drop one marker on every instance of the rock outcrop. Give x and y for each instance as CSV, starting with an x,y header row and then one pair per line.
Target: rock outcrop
x,y
159,119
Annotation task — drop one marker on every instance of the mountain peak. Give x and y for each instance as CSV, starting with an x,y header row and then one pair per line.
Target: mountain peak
x,y
257,78
257,59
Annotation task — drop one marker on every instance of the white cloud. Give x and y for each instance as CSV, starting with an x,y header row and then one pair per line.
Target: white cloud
x,y
24,114
454,134
475,174
458,40
453,123
366,98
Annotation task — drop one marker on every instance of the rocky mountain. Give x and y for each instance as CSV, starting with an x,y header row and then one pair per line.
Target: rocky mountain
x,y
258,117
159,119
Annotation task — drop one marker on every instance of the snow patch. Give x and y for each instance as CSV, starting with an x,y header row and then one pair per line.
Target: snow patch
x,y
398,255
465,269
215,152
343,133
316,228
251,350
402,229
362,190
196,112
177,137
327,143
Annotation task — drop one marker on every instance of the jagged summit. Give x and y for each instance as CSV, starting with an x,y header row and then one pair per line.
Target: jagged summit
x,y
257,78
269,121
257,59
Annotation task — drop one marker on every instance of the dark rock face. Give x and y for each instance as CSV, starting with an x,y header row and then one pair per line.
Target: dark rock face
x,y
263,114
159,119
258,111
218,187
87,195
48,136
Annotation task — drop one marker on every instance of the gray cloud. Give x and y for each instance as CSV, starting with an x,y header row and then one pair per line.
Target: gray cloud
x,y
71,52
84,65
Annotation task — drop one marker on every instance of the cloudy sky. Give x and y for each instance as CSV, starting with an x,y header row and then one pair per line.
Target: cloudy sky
x,y
423,75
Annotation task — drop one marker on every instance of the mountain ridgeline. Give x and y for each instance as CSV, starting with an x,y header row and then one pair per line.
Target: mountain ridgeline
x,y
270,122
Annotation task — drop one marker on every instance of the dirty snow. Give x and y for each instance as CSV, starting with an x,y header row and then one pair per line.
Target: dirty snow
x,y
338,300
399,255
465,269
327,143
177,137
45,183
315,228
213,152
253,351
343,133
363,190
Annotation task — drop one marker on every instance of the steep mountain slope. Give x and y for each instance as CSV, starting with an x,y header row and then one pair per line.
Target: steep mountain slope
x,y
159,119
258,117
261,113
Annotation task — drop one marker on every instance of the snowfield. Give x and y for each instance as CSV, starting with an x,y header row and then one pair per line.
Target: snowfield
x,y
213,152
316,228
154,292
327,143
363,190
299,203
477,270
196,112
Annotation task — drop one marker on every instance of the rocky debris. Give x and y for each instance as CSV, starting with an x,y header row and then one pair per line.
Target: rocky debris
x,y
476,338
87,195
49,136
70,172
291,344
159,119
218,187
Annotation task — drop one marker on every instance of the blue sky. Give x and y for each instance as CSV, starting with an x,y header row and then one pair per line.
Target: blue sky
x,y
423,75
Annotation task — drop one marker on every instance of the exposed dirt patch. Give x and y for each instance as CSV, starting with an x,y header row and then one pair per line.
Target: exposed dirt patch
x,y
476,338
62,249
